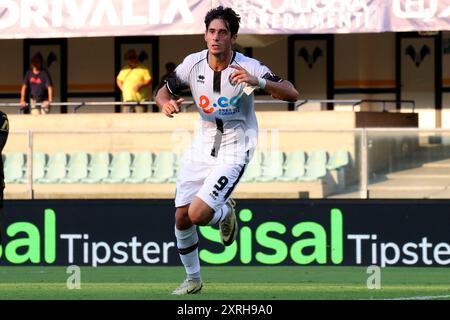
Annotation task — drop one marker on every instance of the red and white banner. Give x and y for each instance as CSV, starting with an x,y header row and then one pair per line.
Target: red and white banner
x,y
93,18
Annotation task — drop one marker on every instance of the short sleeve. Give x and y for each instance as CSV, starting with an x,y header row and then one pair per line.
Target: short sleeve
x,y
48,79
262,71
121,75
26,79
178,80
147,75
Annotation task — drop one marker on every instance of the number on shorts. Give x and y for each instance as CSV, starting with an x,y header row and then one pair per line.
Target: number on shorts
x,y
221,183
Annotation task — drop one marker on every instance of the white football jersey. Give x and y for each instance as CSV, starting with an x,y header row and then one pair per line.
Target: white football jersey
x,y
228,126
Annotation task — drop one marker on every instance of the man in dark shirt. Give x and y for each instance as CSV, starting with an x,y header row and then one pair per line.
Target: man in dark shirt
x,y
4,130
39,84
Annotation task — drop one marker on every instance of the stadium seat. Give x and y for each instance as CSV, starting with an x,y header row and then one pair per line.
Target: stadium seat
x,y
98,168
163,167
176,166
336,164
338,159
254,169
14,167
141,169
56,168
294,167
120,168
272,166
315,166
77,168
39,165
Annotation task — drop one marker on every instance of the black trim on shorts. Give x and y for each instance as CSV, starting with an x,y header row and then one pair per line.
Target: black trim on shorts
x,y
235,183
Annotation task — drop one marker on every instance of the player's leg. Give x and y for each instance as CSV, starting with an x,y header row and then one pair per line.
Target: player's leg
x,y
212,204
189,181
187,244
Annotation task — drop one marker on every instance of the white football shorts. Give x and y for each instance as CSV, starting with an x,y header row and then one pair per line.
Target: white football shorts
x,y
211,183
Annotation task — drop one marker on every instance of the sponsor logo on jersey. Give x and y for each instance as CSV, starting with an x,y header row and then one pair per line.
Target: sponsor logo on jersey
x,y
224,106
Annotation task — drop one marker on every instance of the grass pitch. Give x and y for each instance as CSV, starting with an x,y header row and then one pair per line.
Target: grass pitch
x,y
225,283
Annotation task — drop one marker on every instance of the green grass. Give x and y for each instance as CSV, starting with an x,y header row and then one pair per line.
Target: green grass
x,y
223,283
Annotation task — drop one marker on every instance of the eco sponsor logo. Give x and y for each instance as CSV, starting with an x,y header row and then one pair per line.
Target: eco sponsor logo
x,y
267,243
224,105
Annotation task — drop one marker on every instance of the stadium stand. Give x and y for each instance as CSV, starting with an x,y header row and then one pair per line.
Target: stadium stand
x,y
128,167
279,169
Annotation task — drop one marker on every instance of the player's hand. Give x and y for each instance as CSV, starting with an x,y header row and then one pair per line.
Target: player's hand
x,y
172,106
241,75
46,106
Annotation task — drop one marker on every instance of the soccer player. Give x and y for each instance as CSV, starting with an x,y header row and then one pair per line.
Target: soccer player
x,y
222,82
4,131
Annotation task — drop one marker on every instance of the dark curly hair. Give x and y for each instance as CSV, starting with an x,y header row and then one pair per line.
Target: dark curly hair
x,y
231,18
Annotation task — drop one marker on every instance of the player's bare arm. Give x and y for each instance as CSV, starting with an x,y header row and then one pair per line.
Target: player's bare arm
x,y
283,90
166,103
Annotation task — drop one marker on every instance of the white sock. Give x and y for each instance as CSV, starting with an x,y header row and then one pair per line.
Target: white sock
x,y
187,244
219,215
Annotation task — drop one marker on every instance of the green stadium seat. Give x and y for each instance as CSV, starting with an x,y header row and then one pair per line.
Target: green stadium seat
x,y
176,167
141,169
14,167
120,168
39,165
272,166
254,169
98,168
56,168
77,168
338,159
163,167
337,163
315,166
294,167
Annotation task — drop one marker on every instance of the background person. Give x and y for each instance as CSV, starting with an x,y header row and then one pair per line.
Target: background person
x,y
38,83
134,81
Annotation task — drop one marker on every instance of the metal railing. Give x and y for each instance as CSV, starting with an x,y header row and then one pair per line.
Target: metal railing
x,y
358,102
190,103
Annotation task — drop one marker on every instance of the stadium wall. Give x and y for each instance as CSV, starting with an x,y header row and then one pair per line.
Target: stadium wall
x,y
364,68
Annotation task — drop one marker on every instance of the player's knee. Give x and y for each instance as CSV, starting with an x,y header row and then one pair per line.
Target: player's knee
x,y
199,217
182,219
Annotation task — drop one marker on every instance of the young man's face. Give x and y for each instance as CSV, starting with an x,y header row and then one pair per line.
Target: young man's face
x,y
218,38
